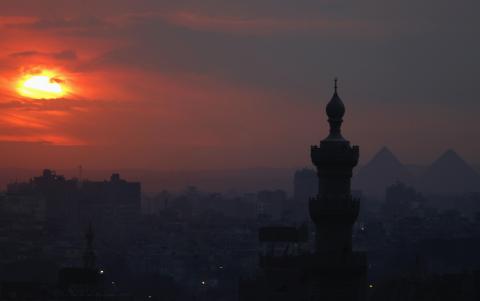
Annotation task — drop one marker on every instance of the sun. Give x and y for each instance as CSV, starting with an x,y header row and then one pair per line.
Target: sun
x,y
43,84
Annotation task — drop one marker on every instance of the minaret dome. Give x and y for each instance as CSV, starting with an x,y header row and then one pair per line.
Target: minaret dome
x,y
335,108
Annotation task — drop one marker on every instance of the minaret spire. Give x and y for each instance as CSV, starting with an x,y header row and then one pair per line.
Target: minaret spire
x,y
335,110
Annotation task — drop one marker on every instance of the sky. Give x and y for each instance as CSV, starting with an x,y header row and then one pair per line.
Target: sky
x,y
185,85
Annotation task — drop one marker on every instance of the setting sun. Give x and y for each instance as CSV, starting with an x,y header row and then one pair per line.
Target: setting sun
x,y
42,85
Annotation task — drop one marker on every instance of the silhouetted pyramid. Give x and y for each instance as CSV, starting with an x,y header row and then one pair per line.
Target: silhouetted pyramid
x,y
381,171
449,174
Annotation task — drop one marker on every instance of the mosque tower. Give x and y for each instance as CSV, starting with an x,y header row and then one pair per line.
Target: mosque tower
x,y
333,210
332,271
339,273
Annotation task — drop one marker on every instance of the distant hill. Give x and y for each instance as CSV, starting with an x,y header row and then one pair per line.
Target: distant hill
x,y
381,171
449,174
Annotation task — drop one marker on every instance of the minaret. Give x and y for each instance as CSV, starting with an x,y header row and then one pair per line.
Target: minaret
x,y
333,210
89,254
333,271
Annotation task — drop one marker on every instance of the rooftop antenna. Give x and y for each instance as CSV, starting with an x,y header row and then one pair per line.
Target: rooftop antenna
x,y
80,175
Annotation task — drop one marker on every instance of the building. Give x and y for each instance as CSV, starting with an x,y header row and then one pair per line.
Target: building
x,y
332,270
43,216
305,186
108,202
270,204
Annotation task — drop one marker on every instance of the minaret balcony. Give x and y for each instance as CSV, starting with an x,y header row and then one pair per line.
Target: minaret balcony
x,y
335,155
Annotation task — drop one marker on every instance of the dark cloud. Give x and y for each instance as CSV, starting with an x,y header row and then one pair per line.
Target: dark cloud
x,y
63,23
68,55
65,55
25,54
57,80
407,59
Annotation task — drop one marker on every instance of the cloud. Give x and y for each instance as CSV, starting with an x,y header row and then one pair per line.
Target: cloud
x,y
59,23
319,25
61,55
14,21
65,55
24,54
44,139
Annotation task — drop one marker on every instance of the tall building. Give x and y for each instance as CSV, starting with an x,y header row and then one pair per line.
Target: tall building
x,y
305,186
53,208
332,270
114,203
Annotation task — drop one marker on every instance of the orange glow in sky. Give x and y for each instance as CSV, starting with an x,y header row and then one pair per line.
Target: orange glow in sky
x,y
42,85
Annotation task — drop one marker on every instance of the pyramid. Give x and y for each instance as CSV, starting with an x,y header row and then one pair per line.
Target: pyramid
x,y
383,170
449,174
